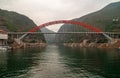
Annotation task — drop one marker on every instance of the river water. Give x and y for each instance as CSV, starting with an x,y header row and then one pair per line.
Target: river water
x,y
60,62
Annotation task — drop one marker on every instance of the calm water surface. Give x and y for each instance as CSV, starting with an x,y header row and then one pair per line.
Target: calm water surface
x,y
60,62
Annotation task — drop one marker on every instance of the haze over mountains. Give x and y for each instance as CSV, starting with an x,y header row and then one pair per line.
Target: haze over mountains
x,y
50,38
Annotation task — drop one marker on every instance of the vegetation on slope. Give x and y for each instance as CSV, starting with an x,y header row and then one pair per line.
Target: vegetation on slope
x,y
107,19
14,22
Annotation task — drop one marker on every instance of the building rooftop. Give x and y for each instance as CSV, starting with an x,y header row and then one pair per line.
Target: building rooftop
x,y
2,31
3,34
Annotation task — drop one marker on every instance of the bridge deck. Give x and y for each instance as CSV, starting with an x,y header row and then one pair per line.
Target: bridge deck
x,y
63,33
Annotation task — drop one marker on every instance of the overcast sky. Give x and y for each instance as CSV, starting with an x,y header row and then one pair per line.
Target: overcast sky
x,y
41,11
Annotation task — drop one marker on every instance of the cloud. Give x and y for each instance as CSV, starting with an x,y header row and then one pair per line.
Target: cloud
x,y
41,11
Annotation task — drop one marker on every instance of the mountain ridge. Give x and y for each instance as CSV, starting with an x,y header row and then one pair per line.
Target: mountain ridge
x,y
106,19
14,22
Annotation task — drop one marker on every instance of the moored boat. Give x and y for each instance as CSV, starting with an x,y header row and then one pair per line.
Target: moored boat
x,y
5,48
2,48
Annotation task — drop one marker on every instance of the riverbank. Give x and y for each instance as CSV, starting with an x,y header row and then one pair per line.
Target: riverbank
x,y
27,45
85,43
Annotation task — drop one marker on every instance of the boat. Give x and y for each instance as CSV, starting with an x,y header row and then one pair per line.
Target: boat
x,y
4,48
118,48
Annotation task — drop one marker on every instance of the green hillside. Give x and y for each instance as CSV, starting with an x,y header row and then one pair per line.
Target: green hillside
x,y
107,19
14,22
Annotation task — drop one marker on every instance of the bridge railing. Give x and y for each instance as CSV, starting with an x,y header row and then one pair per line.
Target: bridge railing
x,y
63,32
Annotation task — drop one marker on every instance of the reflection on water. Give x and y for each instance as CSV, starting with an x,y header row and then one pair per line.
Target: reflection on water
x,y
60,62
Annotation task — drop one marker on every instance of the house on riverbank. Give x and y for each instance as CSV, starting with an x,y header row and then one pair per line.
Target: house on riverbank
x,y
3,37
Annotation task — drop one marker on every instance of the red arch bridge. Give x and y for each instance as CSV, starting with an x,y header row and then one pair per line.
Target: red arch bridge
x,y
90,27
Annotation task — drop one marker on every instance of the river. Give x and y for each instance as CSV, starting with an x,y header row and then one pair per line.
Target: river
x,y
60,62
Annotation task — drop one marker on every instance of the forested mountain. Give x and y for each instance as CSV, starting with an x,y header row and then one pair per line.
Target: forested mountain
x,y
107,19
15,22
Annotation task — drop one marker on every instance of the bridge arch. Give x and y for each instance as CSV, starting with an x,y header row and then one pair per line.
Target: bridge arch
x,y
90,27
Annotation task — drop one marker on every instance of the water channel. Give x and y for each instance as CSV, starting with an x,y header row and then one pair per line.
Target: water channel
x,y
60,62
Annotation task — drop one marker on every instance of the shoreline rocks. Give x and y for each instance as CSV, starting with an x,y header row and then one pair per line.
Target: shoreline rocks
x,y
85,43
28,45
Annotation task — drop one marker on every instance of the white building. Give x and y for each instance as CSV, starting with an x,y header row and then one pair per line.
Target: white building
x,y
3,37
